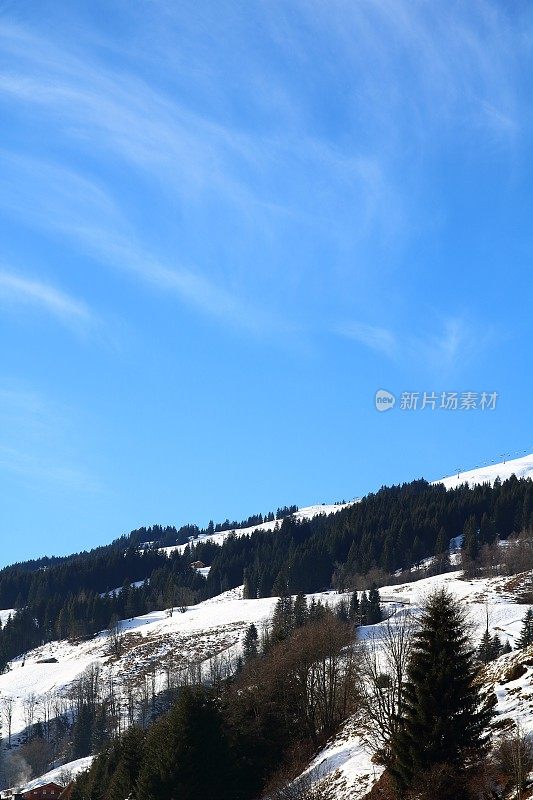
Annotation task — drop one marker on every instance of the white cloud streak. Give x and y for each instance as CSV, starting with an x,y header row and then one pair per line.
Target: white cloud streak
x,y
74,209
376,338
16,290
443,352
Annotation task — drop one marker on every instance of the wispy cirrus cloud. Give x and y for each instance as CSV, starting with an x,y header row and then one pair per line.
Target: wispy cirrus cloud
x,y
412,76
78,211
443,350
17,290
382,340
252,178
431,68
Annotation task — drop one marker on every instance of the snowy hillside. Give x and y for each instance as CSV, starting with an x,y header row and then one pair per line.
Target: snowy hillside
x,y
160,647
303,513
217,627
521,467
345,764
153,643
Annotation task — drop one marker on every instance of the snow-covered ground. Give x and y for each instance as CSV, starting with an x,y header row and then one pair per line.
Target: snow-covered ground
x,y
303,513
218,625
345,761
521,467
5,614
61,775
213,627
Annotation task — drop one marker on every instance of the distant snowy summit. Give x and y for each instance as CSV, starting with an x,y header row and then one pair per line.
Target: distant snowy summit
x,y
521,467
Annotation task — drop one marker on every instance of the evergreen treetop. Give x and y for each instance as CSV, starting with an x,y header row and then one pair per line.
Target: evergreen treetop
x,y
442,721
526,635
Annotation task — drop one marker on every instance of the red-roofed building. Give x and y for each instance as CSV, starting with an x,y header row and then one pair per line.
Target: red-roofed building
x,y
49,791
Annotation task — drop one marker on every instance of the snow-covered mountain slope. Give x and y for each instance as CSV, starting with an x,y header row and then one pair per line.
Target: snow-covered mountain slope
x,y
346,765
521,467
303,513
155,642
217,627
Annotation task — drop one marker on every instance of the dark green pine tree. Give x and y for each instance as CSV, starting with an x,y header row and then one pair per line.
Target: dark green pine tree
x,y
506,648
124,779
485,649
374,606
300,610
487,531
250,644
364,609
354,609
471,541
417,552
249,591
83,732
496,647
442,543
283,617
442,721
526,635
187,755
342,611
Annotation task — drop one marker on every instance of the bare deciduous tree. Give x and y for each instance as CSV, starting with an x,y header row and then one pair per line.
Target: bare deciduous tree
x,y
514,756
8,704
29,705
384,660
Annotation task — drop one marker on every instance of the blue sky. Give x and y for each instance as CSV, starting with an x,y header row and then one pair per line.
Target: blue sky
x,y
225,225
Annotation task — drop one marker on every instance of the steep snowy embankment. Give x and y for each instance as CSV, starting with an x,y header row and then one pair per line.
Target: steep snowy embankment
x,y
345,763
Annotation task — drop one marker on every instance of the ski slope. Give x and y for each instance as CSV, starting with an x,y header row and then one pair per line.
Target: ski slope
x,y
521,467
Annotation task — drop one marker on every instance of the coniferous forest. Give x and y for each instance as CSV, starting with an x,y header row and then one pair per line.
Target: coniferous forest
x,y
383,534
248,729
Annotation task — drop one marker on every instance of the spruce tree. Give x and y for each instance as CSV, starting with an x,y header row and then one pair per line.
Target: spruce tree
x,y
485,649
442,721
442,543
374,606
187,754
496,647
526,635
283,617
354,608
471,541
250,643
300,610
364,609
